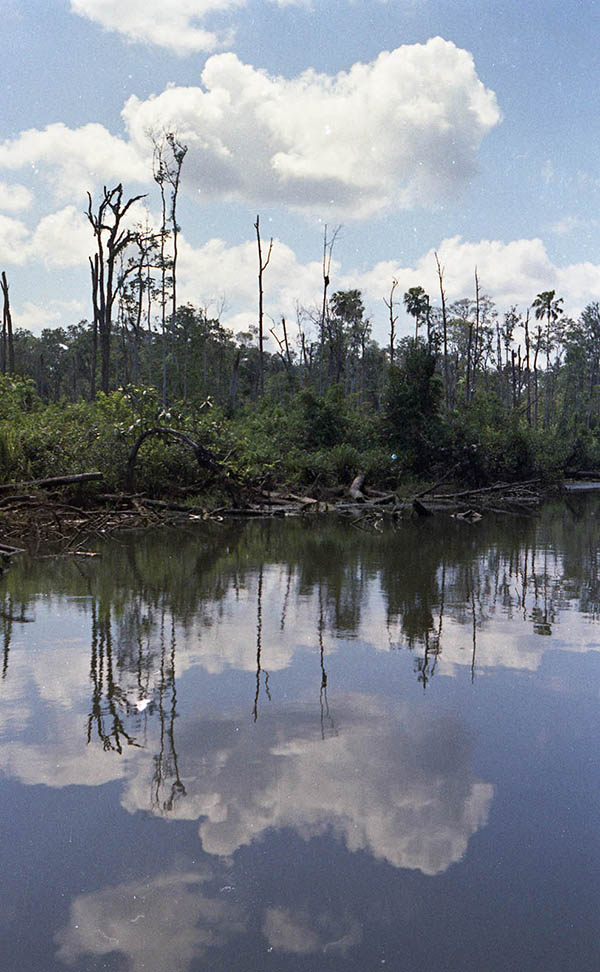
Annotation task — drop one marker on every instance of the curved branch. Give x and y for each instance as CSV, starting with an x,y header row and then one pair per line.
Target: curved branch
x,y
204,458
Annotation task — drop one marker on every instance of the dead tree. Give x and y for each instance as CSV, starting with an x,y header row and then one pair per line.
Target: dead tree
x,y
284,351
393,318
440,273
327,256
167,171
262,266
112,239
8,350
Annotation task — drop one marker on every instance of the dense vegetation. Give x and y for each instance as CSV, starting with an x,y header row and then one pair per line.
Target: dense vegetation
x,y
475,395
331,407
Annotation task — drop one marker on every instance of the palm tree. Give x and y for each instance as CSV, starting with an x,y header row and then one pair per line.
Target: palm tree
x,y
547,305
416,302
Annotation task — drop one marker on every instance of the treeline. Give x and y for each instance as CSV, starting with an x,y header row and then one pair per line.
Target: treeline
x,y
475,391
509,397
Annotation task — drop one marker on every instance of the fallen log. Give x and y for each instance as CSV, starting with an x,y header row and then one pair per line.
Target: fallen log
x,y
53,481
507,487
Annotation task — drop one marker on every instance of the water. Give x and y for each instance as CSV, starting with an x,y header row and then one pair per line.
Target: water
x,y
303,745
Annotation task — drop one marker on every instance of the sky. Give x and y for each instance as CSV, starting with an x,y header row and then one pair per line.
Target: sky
x,y
417,126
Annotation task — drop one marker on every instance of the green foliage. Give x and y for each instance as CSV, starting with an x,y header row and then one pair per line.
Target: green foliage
x,y
320,421
17,396
411,422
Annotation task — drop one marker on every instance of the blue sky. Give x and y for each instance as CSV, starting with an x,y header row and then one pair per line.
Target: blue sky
x,y
481,145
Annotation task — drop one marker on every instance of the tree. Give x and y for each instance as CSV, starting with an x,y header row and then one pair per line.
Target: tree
x,y
168,157
547,305
345,323
389,303
411,406
262,266
112,239
440,273
8,349
583,366
416,302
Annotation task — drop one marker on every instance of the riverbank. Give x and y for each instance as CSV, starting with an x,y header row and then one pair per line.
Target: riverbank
x,y
68,514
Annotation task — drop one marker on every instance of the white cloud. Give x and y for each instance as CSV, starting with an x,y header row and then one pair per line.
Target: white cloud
x,y
55,313
63,239
75,159
176,25
381,783
566,225
14,197
510,273
13,240
215,268
164,923
403,129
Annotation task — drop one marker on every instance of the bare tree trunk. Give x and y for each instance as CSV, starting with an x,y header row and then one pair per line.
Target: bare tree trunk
x,y
476,335
327,255
7,331
390,306
440,272
262,266
106,224
96,312
528,367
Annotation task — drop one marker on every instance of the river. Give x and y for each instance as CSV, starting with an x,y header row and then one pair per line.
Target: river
x,y
306,744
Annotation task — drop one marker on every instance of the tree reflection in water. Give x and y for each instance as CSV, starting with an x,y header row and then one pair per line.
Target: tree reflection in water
x,y
427,583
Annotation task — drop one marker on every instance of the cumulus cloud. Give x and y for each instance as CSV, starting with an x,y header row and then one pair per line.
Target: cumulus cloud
x,y
214,269
403,129
380,784
14,197
159,924
510,273
74,159
13,240
63,238
177,26
55,313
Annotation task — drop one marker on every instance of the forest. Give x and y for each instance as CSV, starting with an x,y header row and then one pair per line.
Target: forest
x,y
475,395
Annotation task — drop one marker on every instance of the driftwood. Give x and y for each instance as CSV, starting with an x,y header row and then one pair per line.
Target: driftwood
x,y
356,488
497,487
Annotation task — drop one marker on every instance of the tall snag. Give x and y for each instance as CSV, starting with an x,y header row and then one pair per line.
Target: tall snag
x,y
8,350
169,154
262,266
393,318
440,273
112,238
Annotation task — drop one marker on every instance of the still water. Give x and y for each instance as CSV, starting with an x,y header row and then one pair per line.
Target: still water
x,y
300,745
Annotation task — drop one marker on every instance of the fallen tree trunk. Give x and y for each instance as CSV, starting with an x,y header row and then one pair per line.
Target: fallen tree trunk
x,y
507,487
53,481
